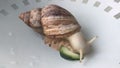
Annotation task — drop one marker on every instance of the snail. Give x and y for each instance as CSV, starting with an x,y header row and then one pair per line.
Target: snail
x,y
60,30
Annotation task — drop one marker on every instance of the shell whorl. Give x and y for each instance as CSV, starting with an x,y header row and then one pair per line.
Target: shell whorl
x,y
58,22
33,19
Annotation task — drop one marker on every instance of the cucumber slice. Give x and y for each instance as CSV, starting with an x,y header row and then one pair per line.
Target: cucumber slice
x,y
67,54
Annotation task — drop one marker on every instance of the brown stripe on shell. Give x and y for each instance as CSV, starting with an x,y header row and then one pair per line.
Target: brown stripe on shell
x,y
56,20
60,29
64,35
54,10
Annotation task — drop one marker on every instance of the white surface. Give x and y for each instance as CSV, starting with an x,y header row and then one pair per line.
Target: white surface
x,y
21,47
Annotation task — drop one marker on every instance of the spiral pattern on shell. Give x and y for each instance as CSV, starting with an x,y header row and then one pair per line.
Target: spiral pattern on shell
x,y
58,22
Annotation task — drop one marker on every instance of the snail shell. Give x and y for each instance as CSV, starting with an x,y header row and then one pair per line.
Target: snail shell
x,y
58,22
52,21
